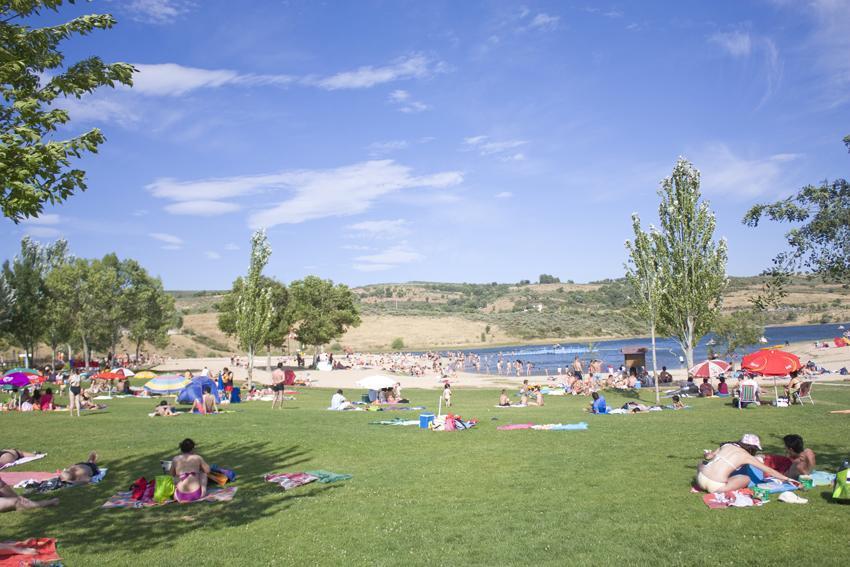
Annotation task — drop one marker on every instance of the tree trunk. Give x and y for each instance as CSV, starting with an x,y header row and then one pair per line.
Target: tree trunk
x,y
52,355
138,348
250,366
655,364
268,358
85,351
689,347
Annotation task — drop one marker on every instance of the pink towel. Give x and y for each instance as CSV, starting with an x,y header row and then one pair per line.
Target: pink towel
x,y
515,426
13,478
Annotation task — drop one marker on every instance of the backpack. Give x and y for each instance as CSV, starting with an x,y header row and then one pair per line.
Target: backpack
x,y
841,491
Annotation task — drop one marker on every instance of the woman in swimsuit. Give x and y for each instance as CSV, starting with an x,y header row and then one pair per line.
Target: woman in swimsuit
x,y
190,472
719,473
11,500
503,399
9,456
81,473
74,391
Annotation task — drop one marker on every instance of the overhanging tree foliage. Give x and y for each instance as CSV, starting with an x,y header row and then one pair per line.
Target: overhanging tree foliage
x,y
691,266
643,275
35,167
821,242
737,330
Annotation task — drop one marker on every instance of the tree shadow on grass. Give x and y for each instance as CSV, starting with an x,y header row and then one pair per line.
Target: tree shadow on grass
x,y
80,521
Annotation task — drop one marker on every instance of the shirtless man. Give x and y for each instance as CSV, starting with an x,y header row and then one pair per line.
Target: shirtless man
x,y
577,368
190,473
278,376
10,500
802,459
207,402
81,473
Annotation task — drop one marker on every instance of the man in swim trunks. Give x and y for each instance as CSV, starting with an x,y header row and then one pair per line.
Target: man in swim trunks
x,y
81,473
278,377
10,500
190,473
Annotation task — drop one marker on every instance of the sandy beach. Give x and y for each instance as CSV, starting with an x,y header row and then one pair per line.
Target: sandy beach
x,y
831,358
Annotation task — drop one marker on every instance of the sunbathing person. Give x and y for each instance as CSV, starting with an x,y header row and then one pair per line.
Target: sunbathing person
x,y
207,402
11,500
81,473
190,472
503,400
677,402
163,409
9,456
719,471
793,386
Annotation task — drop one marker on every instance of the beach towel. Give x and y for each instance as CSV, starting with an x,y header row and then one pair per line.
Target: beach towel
x,y
840,411
512,406
326,477
514,426
394,408
52,484
742,498
395,421
560,427
774,486
125,499
13,478
822,478
23,460
45,553
288,481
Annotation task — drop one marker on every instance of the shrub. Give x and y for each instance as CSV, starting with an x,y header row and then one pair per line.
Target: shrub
x,y
190,353
397,344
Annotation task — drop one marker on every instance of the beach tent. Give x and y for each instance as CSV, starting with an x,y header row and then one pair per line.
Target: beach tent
x,y
166,385
195,390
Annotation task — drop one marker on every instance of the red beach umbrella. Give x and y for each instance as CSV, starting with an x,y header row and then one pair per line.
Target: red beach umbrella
x,y
709,369
107,376
771,362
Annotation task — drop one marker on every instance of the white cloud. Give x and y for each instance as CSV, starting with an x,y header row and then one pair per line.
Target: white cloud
x,y
384,148
98,108
415,66
42,226
380,228
386,260
212,255
158,11
544,22
485,147
342,191
139,212
42,231
404,103
231,246
174,242
735,43
46,219
356,247
831,48
202,208
414,107
399,95
504,195
171,79
726,174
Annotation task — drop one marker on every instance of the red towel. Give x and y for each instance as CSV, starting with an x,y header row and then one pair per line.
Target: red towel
x,y
778,463
45,552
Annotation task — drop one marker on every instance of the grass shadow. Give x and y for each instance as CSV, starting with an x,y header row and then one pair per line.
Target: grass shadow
x,y
100,530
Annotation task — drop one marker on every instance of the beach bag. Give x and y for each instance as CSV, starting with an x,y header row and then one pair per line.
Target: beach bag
x,y
231,475
164,488
217,477
138,488
450,423
841,491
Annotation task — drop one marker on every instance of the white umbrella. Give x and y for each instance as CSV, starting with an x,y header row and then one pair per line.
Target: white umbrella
x,y
125,371
376,382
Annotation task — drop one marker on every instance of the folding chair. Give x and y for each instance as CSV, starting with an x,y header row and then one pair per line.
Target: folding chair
x,y
805,392
747,395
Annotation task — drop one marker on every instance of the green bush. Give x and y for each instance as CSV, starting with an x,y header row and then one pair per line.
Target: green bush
x,y
190,353
397,344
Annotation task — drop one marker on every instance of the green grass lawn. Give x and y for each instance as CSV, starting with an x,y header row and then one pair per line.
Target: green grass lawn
x,y
617,493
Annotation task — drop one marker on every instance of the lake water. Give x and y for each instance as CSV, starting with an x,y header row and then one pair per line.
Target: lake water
x,y
668,351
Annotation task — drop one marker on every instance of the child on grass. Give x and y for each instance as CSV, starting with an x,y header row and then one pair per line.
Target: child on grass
x,y
447,395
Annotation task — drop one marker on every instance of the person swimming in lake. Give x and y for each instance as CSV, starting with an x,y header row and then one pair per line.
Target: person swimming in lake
x,y
719,471
190,473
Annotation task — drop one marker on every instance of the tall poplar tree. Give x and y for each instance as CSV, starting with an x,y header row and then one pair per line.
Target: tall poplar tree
x,y
691,265
254,308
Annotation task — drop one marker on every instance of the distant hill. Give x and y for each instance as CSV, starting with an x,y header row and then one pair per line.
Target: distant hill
x,y
461,315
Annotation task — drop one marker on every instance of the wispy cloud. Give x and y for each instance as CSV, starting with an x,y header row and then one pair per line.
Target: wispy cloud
x,y
404,103
726,174
831,48
100,107
230,246
211,255
378,149
504,195
42,226
346,190
387,259
414,66
542,22
171,79
380,228
501,148
158,11
735,43
170,242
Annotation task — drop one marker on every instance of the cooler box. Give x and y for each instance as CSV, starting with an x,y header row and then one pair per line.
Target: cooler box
x,y
425,419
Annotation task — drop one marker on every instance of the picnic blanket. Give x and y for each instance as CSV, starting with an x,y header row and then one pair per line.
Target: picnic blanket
x,y
41,486
23,460
512,406
13,478
45,553
821,478
393,407
544,427
125,499
395,421
513,426
742,498
288,481
774,485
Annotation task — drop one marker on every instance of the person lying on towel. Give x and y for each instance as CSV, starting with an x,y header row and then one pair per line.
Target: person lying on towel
x,y
11,500
190,473
81,473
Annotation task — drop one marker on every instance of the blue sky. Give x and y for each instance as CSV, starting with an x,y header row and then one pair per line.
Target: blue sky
x,y
443,141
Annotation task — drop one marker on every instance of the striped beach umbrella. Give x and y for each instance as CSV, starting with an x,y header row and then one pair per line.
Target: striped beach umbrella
x,y
165,385
709,369
125,372
22,370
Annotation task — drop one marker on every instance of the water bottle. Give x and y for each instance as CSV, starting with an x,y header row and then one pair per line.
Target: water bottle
x,y
845,464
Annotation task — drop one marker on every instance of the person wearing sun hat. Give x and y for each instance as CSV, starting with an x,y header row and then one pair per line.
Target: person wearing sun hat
x,y
719,470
